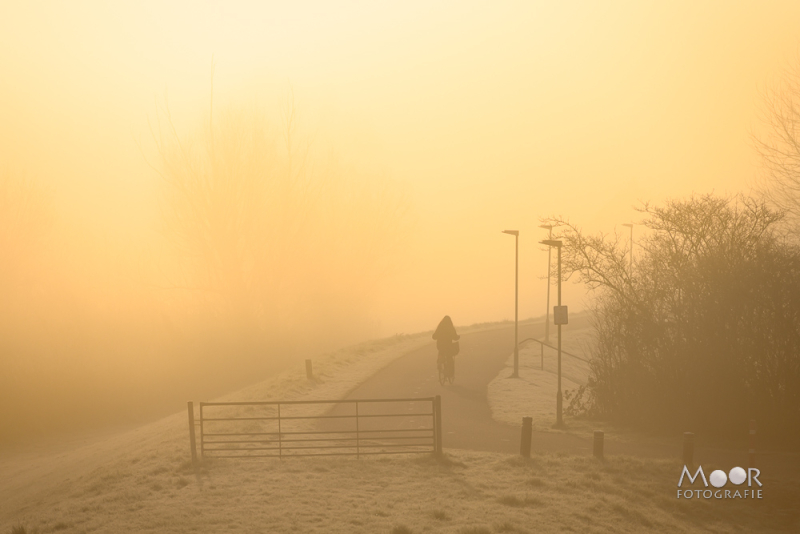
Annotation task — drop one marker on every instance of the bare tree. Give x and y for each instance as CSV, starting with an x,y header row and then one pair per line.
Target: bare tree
x,y
779,146
275,230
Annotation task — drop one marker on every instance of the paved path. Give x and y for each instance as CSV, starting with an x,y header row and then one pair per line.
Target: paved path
x,y
467,419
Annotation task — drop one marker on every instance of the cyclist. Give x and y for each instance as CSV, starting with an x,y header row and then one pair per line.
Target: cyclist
x,y
445,336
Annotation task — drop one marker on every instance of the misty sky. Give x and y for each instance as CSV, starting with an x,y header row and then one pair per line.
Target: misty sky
x,y
484,115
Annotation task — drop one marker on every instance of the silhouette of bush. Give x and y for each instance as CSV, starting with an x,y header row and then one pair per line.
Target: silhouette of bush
x,y
702,330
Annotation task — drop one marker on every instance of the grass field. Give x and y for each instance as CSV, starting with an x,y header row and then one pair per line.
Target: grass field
x,y
533,394
156,490
143,481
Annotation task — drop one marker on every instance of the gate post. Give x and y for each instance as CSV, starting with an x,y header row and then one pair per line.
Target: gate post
x,y
358,435
192,443
437,419
202,435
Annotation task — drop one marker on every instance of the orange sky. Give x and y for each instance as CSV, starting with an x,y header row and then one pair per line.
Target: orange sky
x,y
486,115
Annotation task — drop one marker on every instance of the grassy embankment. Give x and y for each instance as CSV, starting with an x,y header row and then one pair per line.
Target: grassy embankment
x,y
533,394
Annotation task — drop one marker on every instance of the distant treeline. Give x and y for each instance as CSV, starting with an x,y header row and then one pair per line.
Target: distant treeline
x,y
702,331
269,248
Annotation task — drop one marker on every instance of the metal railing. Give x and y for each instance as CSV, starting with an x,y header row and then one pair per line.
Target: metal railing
x,y
542,345
278,429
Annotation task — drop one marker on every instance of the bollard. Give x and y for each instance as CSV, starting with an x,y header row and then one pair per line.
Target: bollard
x,y
752,452
192,444
525,442
542,355
309,374
598,444
688,448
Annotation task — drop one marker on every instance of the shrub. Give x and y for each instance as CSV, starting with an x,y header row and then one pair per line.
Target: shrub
x,y
703,331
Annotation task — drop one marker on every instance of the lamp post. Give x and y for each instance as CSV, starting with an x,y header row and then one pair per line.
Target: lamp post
x,y
630,269
559,316
547,308
515,233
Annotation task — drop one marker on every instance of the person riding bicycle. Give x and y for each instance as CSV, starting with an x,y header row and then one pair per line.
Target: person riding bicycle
x,y
445,335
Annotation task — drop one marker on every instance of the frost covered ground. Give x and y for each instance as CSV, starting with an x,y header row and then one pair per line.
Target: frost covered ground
x,y
155,490
143,481
533,394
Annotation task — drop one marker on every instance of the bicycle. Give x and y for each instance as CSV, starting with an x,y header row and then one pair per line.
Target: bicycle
x,y
447,370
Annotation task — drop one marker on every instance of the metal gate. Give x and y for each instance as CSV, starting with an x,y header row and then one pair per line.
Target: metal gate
x,y
281,429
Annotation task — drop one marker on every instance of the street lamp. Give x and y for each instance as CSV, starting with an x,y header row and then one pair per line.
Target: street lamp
x,y
515,233
630,269
559,317
547,307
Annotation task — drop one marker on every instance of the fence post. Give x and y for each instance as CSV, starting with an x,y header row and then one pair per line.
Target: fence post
x,y
437,419
598,443
309,374
752,452
541,346
525,442
688,448
190,406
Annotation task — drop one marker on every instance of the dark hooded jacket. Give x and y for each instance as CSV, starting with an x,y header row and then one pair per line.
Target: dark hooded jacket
x,y
445,334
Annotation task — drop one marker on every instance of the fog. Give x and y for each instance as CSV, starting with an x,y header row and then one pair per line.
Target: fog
x,y
267,249
193,196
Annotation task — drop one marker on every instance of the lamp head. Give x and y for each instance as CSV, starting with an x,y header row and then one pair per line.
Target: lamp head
x,y
551,243
511,232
